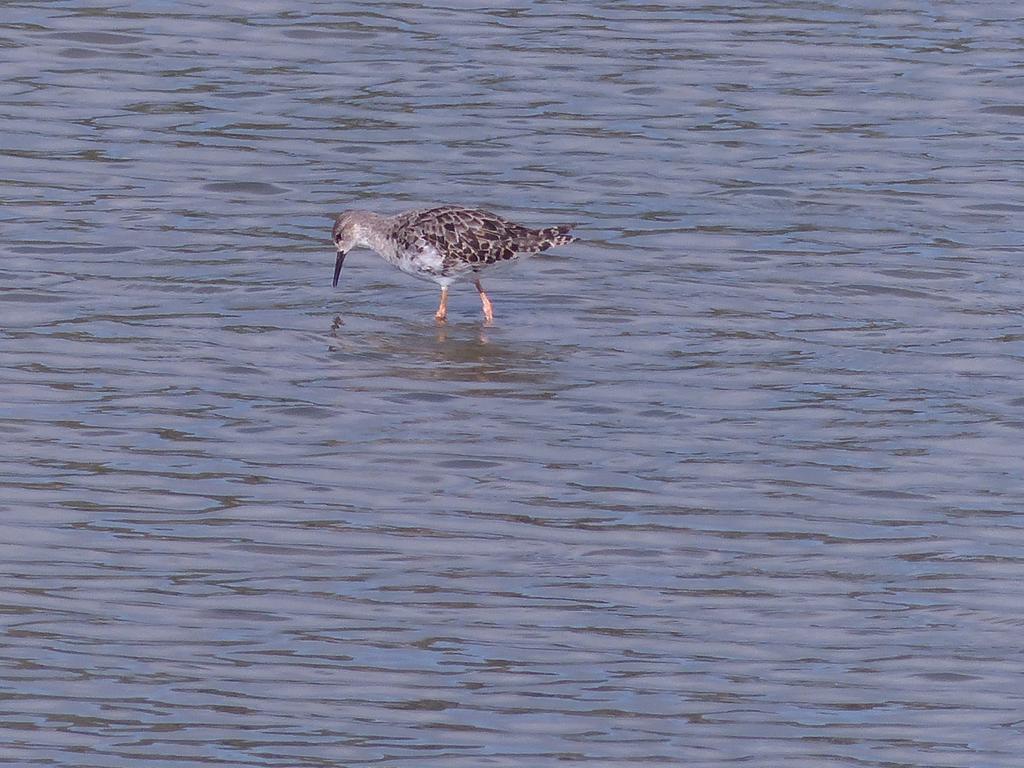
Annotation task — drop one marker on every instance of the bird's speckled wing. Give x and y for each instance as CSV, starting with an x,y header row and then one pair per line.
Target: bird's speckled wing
x,y
471,238
465,236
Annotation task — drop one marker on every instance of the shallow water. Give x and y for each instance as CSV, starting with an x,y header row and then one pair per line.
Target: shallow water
x,y
735,480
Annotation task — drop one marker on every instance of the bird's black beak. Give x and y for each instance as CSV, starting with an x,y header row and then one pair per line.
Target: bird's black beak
x,y
337,267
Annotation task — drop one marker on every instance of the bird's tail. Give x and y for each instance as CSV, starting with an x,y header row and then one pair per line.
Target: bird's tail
x,y
537,240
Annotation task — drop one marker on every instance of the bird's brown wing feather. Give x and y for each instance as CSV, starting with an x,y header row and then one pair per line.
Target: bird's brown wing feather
x,y
468,236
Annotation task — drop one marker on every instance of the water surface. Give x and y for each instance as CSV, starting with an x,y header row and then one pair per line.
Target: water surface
x,y
735,480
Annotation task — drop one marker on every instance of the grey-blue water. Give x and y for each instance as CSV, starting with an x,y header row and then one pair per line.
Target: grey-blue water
x,y
736,480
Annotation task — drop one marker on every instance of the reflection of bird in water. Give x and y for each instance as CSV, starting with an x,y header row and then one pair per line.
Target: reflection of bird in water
x,y
443,244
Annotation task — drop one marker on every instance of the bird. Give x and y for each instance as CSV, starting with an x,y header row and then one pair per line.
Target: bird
x,y
443,244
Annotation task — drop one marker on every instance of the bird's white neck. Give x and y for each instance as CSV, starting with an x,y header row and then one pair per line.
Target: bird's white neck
x,y
371,231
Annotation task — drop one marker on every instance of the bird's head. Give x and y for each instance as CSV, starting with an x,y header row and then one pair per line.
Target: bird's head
x,y
345,236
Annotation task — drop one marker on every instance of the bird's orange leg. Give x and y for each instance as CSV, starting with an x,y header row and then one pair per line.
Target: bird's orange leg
x,y
442,309
488,307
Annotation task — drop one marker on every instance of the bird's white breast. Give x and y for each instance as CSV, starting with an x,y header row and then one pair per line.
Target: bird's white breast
x,y
423,262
